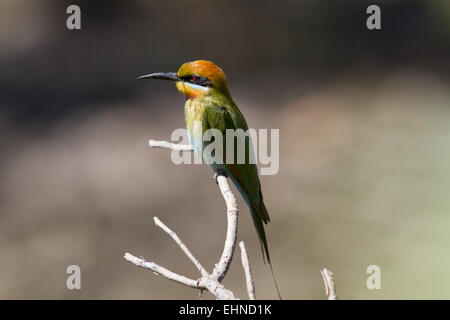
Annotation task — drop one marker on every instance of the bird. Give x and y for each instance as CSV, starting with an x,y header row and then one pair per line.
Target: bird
x,y
209,101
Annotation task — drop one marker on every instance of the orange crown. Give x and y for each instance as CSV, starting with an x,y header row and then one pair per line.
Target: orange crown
x,y
204,68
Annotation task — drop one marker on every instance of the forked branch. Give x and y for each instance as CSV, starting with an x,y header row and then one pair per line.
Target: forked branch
x,y
207,281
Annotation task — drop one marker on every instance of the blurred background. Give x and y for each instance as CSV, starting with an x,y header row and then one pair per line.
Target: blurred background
x,y
364,119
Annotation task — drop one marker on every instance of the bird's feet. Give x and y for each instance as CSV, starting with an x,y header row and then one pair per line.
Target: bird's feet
x,y
218,173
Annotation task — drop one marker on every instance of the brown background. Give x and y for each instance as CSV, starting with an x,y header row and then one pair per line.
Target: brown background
x,y
364,153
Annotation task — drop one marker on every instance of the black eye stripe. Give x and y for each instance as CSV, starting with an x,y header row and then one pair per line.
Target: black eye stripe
x,y
203,81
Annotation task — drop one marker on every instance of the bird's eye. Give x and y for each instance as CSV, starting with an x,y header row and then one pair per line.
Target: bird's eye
x,y
193,78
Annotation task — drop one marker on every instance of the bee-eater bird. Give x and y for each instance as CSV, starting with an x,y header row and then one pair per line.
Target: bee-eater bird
x,y
209,101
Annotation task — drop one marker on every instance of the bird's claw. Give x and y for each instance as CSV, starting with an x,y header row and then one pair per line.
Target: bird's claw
x,y
219,173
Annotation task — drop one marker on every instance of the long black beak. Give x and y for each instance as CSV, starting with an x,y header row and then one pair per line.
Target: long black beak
x,y
161,76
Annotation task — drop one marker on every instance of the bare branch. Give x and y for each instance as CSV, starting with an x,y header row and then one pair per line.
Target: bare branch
x,y
182,246
230,243
169,145
158,270
210,282
248,273
330,286
213,286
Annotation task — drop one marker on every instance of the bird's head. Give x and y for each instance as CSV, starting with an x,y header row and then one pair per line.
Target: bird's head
x,y
195,79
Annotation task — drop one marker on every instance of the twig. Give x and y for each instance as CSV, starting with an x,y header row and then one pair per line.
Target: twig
x,y
158,270
248,273
169,145
330,286
182,246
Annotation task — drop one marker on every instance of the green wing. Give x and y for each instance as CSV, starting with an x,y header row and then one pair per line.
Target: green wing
x,y
244,176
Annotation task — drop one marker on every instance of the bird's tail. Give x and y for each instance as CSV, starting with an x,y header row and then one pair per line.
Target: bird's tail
x,y
261,216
